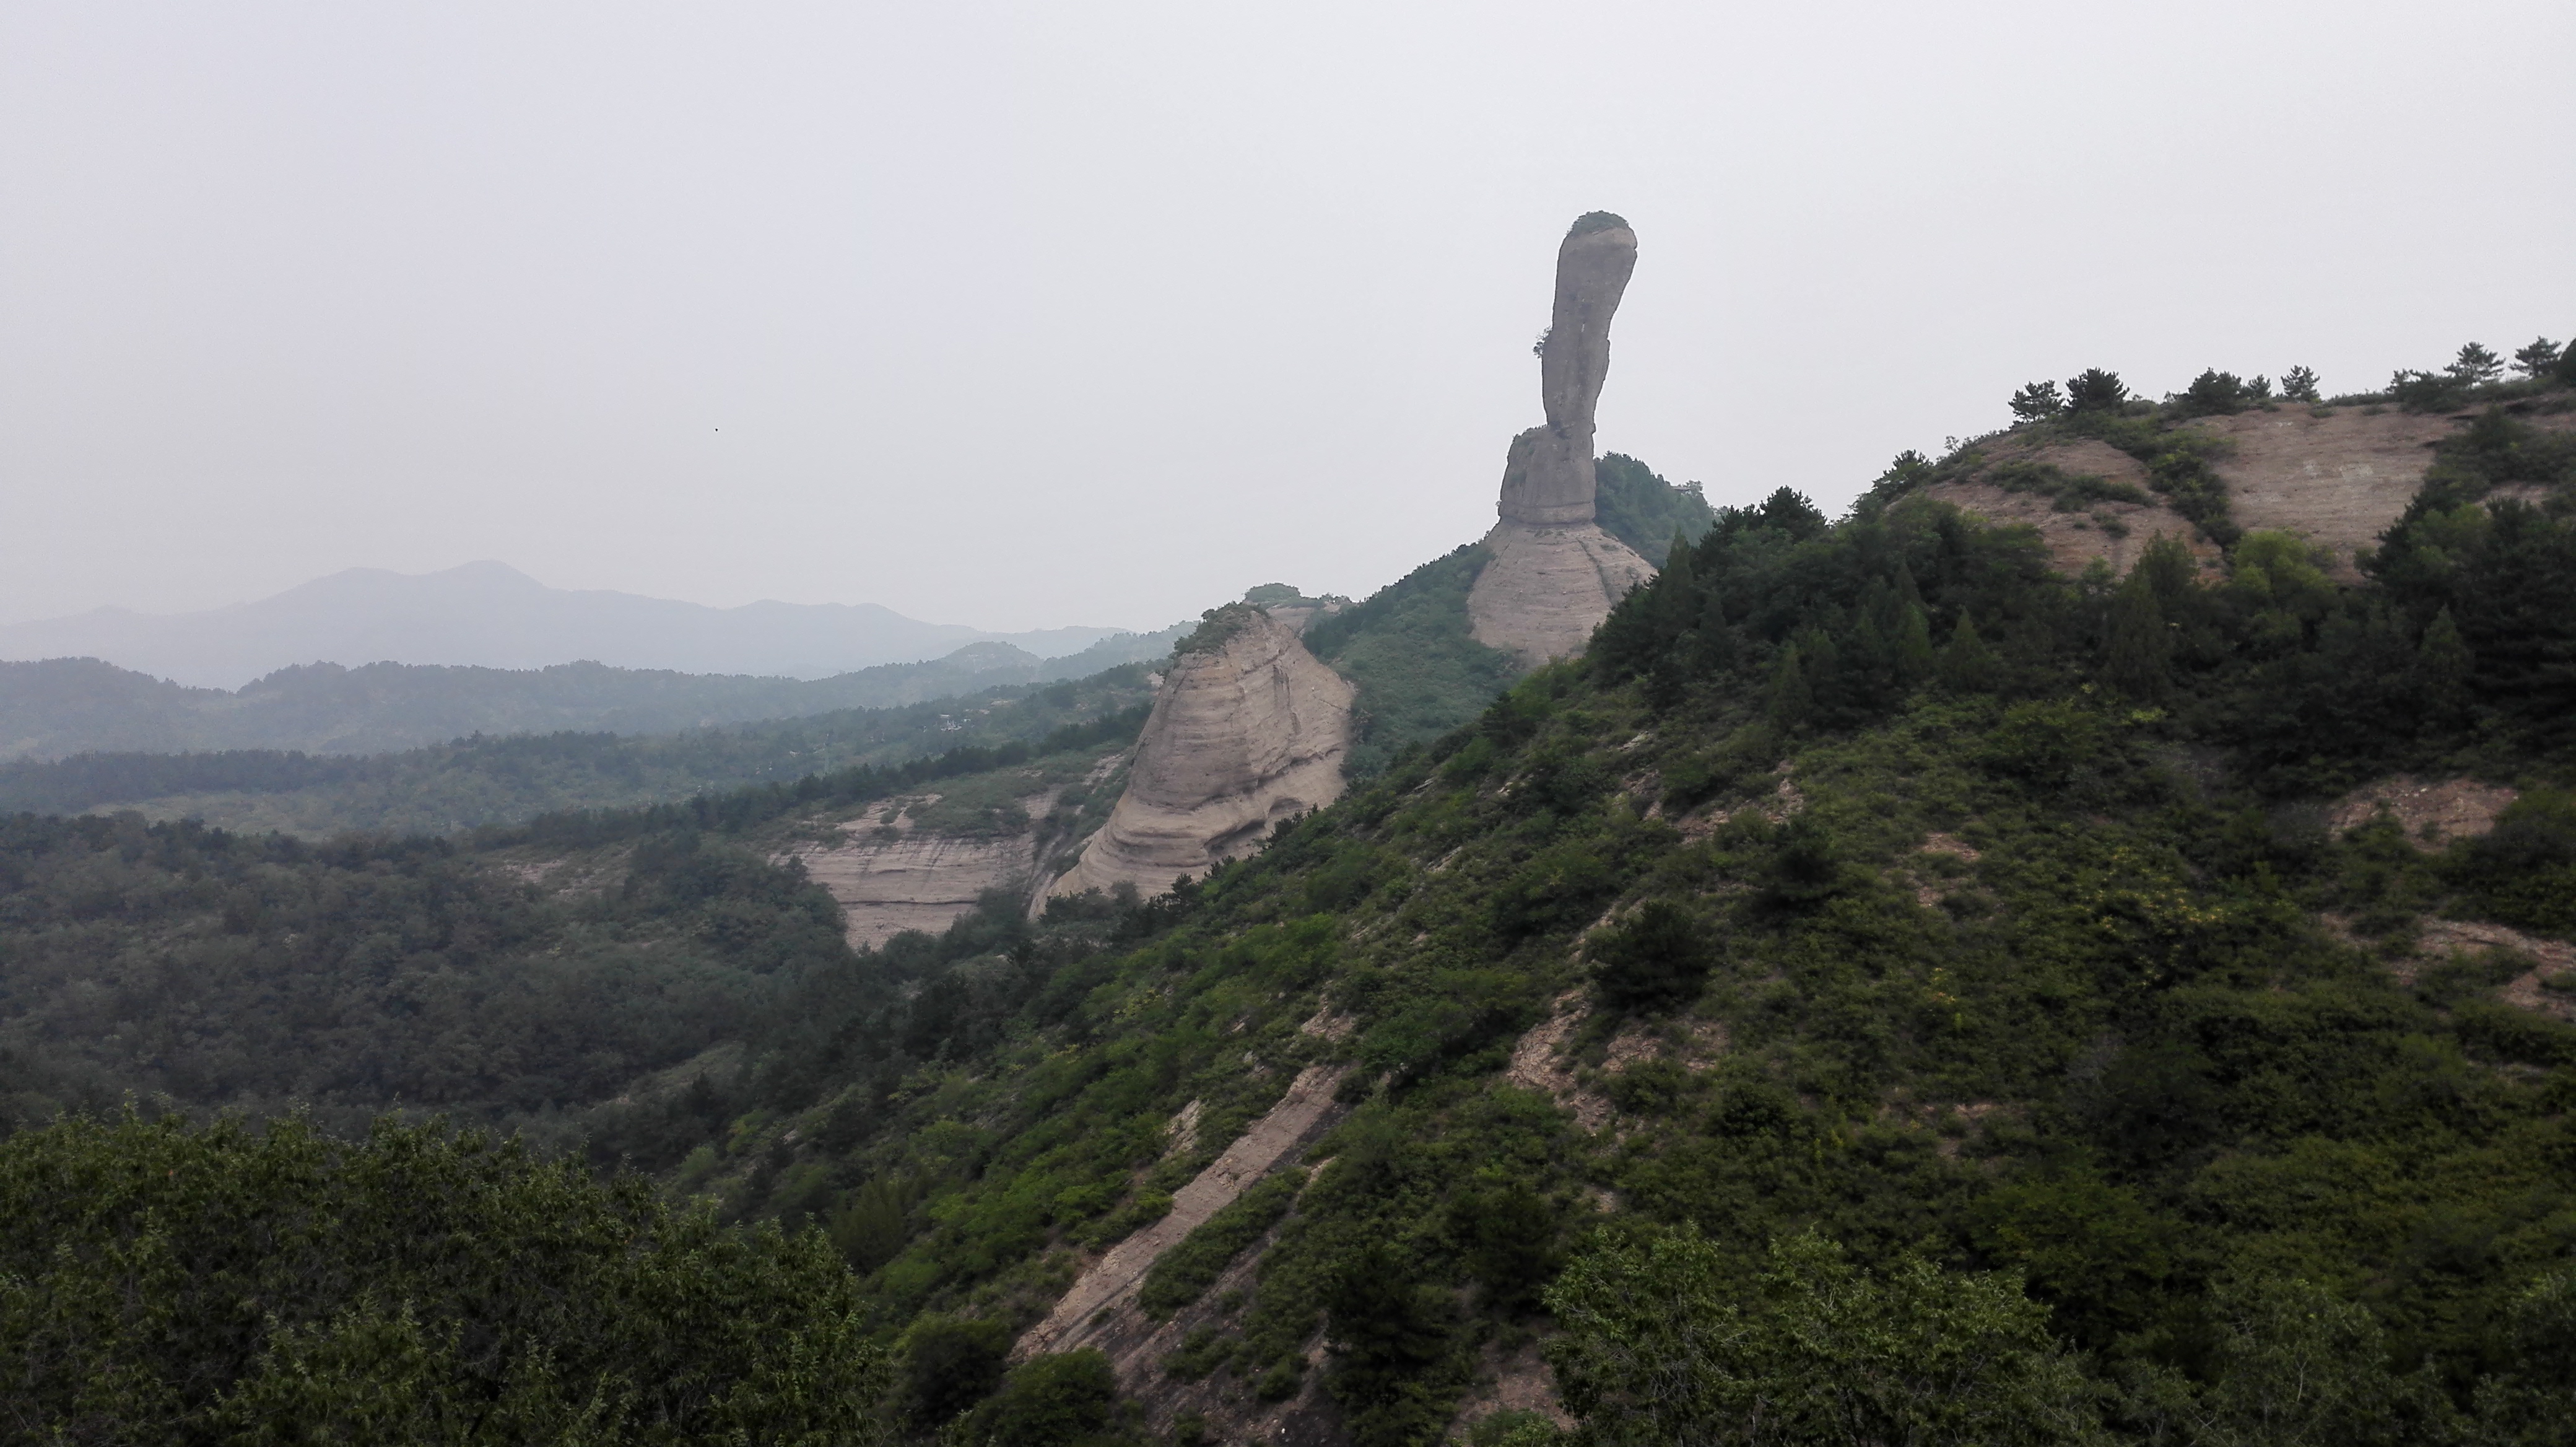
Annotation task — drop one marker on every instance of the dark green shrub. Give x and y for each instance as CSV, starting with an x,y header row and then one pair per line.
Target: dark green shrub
x,y
2423,391
166,1284
1051,1401
1387,1327
1648,1087
2523,872
1806,863
1657,960
949,1364
1511,1237
1561,886
2045,742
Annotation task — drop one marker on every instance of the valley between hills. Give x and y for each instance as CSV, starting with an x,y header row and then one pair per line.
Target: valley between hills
x,y
2081,948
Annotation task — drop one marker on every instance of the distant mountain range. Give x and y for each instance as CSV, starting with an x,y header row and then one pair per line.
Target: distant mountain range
x,y
63,706
491,615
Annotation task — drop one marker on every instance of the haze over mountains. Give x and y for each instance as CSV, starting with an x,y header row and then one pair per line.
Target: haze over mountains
x,y
491,615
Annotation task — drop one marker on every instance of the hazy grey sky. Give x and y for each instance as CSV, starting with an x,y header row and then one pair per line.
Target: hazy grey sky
x,y
1029,314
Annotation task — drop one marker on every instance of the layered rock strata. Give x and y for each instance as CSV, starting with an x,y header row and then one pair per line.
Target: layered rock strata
x,y
1554,574
891,873
1244,734
2338,477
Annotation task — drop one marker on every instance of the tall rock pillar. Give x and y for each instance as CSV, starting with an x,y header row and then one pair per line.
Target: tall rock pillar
x,y
1554,574
1547,480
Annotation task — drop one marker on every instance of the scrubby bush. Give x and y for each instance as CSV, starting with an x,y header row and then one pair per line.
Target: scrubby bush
x,y
1068,1399
949,1364
1660,1347
1656,960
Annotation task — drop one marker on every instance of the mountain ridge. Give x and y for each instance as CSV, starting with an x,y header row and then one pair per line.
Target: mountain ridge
x,y
489,614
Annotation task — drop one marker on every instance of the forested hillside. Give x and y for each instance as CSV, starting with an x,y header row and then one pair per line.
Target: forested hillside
x,y
1889,990
1920,969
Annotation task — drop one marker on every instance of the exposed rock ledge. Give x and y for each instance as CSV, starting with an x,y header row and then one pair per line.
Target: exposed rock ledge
x,y
1547,588
890,873
1241,737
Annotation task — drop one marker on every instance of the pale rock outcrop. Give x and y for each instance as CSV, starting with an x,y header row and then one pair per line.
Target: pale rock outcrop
x,y
1546,589
2336,476
890,874
1554,574
1243,735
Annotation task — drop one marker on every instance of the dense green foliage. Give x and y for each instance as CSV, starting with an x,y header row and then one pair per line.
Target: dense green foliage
x,y
62,706
1418,670
1642,510
1658,1349
506,780
162,1284
209,969
2464,652
205,969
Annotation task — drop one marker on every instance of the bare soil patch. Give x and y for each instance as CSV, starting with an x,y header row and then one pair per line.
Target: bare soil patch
x,y
2430,810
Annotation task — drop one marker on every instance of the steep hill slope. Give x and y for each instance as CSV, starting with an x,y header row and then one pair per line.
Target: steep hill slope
x,y
1873,880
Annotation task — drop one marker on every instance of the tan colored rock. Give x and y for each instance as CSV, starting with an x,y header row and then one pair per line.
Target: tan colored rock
x,y
2115,532
1241,737
2337,480
1554,574
1548,478
1547,588
895,876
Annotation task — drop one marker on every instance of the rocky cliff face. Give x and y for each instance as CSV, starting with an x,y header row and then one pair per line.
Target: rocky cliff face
x,y
1249,731
1555,574
920,861
2338,477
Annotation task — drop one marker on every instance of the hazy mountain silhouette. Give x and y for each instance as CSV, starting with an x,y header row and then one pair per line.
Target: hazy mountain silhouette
x,y
492,615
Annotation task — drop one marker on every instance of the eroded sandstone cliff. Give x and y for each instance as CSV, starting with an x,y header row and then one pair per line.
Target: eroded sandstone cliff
x,y
2336,476
920,861
1246,731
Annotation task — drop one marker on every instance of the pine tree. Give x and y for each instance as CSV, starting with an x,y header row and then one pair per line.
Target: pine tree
x,y
1913,645
2475,366
1791,699
2442,668
2139,660
2037,401
2095,390
2299,384
2538,359
1676,600
1967,665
